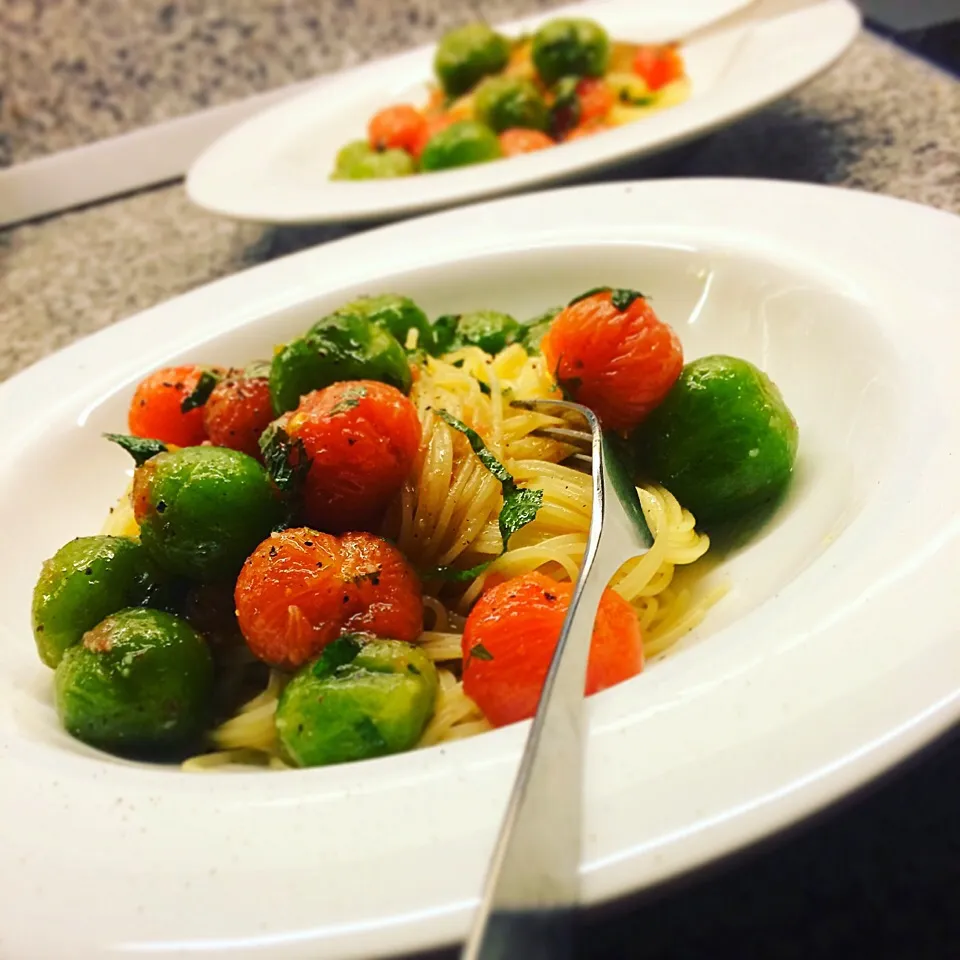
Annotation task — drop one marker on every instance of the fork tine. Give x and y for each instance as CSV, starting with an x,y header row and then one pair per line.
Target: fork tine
x,y
574,438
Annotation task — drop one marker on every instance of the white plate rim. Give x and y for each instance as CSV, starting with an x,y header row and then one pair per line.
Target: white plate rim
x,y
229,180
866,234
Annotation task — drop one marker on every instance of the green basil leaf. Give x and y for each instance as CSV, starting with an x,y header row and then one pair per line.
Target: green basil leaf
x,y
140,448
200,394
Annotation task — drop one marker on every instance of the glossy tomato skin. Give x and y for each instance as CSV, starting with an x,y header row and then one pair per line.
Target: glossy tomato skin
x,y
596,99
620,361
300,589
238,411
512,631
657,65
401,126
155,410
362,437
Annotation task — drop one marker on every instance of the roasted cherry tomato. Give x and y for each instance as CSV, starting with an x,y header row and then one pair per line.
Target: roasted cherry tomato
x,y
658,66
361,437
300,589
401,126
156,409
519,140
585,130
512,631
609,351
596,99
238,411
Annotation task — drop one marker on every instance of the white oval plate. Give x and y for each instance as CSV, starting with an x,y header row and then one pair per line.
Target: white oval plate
x,y
835,655
275,167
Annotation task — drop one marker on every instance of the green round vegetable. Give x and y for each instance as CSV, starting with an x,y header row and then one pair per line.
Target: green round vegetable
x,y
570,47
359,700
341,346
722,441
395,314
202,510
359,161
84,581
535,329
468,54
487,329
141,681
505,102
462,143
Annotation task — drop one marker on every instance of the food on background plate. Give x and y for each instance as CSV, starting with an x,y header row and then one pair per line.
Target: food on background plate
x,y
499,97
364,547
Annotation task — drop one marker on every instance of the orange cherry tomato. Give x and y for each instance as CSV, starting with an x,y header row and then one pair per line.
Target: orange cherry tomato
x,y
238,411
401,126
596,99
517,140
658,66
619,360
433,126
511,634
155,410
362,437
301,589
585,130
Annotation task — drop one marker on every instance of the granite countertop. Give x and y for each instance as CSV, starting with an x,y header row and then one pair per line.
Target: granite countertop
x,y
877,879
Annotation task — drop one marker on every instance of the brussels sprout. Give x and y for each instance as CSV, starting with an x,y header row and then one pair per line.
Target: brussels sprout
x,y
462,143
85,581
722,441
202,510
445,334
395,314
359,700
570,47
140,681
467,54
505,102
535,329
342,346
488,330
359,161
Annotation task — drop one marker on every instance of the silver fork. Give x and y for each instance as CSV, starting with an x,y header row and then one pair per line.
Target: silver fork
x,y
529,899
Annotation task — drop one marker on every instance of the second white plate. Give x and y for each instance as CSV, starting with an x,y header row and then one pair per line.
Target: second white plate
x,y
275,167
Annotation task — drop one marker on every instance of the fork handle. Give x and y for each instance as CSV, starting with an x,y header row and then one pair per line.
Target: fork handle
x,y
529,935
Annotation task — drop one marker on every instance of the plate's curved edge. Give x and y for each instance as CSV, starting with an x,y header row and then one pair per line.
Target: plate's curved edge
x,y
205,179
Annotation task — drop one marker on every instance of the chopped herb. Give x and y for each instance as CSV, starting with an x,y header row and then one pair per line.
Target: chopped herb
x,y
635,100
622,299
201,392
520,505
351,398
484,388
588,293
479,652
337,654
140,448
453,575
286,459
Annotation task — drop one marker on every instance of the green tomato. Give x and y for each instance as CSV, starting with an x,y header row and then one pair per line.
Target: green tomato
x,y
341,346
468,54
570,47
359,161
461,144
722,441
535,329
505,102
140,682
84,581
202,510
488,330
395,314
359,700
